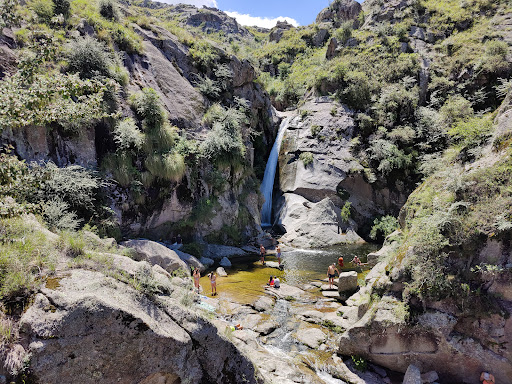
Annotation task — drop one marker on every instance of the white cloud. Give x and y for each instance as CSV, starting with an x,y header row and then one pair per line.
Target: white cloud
x,y
197,3
264,22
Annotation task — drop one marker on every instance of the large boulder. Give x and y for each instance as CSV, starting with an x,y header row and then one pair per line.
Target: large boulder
x,y
313,225
192,261
156,254
94,328
347,282
435,342
218,252
277,32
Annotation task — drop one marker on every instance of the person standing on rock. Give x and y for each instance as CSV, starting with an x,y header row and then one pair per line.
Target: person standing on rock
x,y
331,273
262,254
213,283
197,276
278,253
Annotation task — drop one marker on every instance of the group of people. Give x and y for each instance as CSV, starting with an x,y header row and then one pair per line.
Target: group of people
x,y
274,282
263,251
196,274
332,271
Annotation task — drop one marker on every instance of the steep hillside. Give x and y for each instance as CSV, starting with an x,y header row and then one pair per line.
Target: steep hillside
x,y
167,118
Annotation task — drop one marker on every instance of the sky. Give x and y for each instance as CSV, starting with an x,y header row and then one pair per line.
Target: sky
x,y
264,13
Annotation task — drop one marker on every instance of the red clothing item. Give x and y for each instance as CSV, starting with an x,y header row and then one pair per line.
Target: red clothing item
x,y
340,262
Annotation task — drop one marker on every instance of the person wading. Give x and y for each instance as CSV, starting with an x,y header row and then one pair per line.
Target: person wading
x,y
331,273
262,254
213,283
197,276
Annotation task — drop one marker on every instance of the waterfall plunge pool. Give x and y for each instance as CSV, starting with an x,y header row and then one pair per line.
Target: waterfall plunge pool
x,y
247,277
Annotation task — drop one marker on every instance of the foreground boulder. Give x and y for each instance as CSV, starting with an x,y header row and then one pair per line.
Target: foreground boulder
x,y
93,328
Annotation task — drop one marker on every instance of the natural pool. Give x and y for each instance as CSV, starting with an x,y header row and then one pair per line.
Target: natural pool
x,y
247,277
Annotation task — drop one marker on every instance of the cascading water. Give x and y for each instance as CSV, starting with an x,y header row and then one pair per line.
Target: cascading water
x,y
270,173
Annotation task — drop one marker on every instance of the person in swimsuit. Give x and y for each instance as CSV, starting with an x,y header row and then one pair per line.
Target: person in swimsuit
x,y
278,254
356,261
331,273
213,283
197,276
270,281
262,254
340,261
487,378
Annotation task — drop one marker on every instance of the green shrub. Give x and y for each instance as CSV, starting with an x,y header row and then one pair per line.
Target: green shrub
x,y
360,363
126,39
454,109
225,143
204,55
122,168
383,227
345,211
62,7
109,10
306,158
127,135
89,58
43,10
344,33
357,93
56,215
170,166
148,106
208,87
9,13
388,156
472,132
315,130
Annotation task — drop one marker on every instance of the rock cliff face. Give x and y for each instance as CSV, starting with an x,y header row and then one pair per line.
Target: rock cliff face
x,y
91,327
452,334
166,66
334,177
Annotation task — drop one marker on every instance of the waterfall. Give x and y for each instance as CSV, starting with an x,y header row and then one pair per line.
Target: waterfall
x,y
267,184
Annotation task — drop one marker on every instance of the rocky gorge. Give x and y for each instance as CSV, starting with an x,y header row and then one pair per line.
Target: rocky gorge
x,y
153,124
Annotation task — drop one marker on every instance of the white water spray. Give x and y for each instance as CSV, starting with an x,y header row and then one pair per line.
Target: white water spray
x,y
267,184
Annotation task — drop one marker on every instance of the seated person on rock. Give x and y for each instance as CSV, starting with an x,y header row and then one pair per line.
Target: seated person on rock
x,y
487,378
277,283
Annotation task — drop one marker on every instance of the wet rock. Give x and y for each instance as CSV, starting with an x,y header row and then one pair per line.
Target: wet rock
x,y
325,287
286,291
312,337
221,272
331,294
156,253
266,327
412,375
313,316
273,264
225,262
263,304
316,284
347,282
